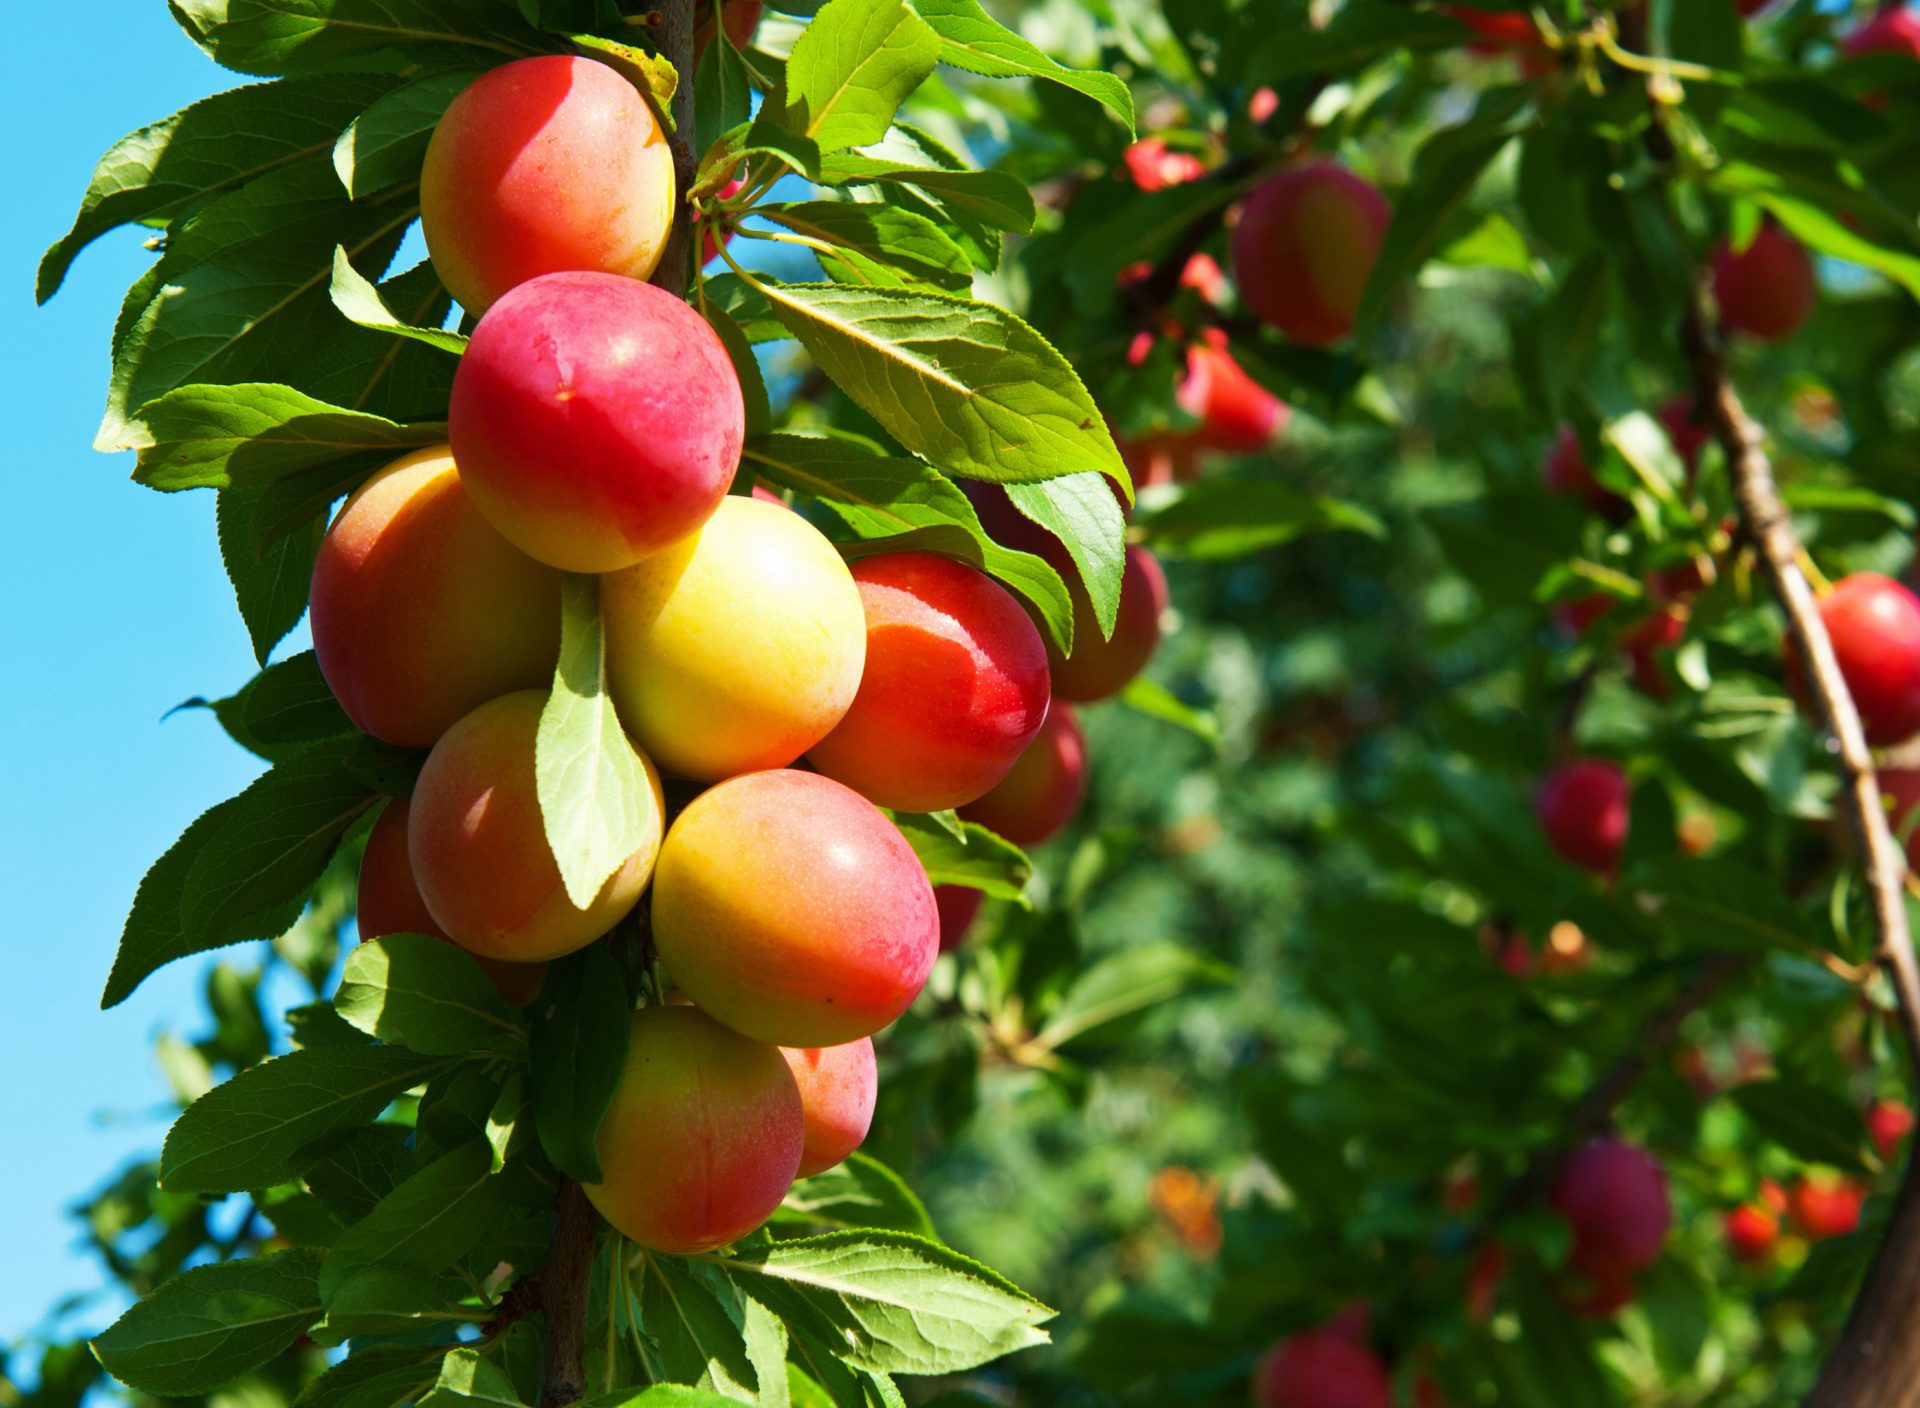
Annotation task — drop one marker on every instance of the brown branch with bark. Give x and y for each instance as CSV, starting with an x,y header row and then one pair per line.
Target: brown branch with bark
x,y
1876,1364
563,1298
674,36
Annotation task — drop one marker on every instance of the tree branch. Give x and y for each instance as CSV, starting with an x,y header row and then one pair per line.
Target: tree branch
x,y
563,1298
1877,1361
675,40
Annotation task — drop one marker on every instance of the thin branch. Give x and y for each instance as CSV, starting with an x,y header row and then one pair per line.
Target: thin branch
x,y
675,40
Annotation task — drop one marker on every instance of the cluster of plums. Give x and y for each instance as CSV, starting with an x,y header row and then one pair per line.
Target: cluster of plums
x,y
596,425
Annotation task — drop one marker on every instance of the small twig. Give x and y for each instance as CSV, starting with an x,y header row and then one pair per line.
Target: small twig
x,y
520,1301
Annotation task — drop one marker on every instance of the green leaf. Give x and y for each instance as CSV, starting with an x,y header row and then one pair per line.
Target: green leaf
x,y
357,1173
899,505
427,995
746,366
973,40
1676,1304
251,434
390,1300
508,1125
861,1192
1816,228
213,1323
890,1302
660,1396
254,1131
378,1376
1216,519
1362,33
387,143
465,1378
424,1225
154,934
206,150
270,584
359,300
883,233
1810,1122
1150,697
983,861
850,68
1444,175
1080,511
597,794
1805,112
995,198
289,703
579,1049
276,840
1849,498
289,36
1717,902
687,1336
763,136
251,310
365,368
722,92
1126,983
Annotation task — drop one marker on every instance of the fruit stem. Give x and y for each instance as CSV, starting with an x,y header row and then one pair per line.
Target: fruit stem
x,y
675,40
563,1298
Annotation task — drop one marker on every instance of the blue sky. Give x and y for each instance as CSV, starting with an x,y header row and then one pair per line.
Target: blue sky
x,y
115,609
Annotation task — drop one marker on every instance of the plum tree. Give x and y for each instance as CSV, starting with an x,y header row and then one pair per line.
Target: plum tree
x,y
953,690
388,902
1874,624
1582,806
832,952
1766,290
1614,1197
1305,244
1043,790
542,166
420,610
1321,1368
838,1087
595,419
703,1136
739,647
479,847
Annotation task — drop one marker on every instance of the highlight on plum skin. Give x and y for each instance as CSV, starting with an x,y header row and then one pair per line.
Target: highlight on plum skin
x,y
791,909
478,843
596,420
545,165
420,610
